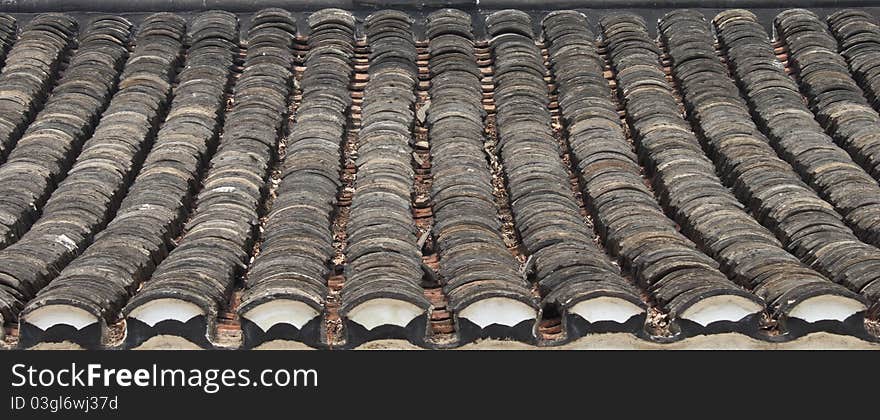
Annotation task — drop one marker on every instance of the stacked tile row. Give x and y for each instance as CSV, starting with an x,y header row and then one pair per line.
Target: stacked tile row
x,y
384,260
49,146
748,251
858,40
218,240
8,34
126,252
835,98
546,214
781,114
297,245
809,227
82,203
569,268
31,65
604,160
475,263
671,266
611,174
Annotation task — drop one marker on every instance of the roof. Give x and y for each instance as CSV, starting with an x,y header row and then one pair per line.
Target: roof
x,y
441,178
